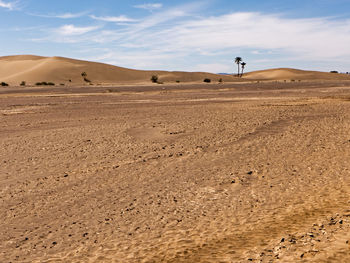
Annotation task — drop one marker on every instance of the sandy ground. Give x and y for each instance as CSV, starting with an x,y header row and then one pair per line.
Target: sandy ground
x,y
203,173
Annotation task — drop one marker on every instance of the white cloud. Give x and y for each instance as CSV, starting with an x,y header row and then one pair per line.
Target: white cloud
x,y
70,15
174,36
61,16
72,30
150,7
7,5
214,67
116,19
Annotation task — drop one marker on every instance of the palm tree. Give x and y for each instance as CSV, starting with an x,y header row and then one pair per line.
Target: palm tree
x,y
243,65
238,62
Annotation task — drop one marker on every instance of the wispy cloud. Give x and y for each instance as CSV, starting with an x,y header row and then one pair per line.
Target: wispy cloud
x,y
115,19
8,5
72,30
61,16
179,38
150,6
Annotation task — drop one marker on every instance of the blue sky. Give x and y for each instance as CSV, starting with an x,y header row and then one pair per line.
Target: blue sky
x,y
182,35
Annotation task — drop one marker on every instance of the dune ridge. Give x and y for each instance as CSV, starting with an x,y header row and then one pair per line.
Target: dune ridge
x,y
60,70
32,69
293,74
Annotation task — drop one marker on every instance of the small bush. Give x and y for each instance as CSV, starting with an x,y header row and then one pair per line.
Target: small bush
x,y
334,71
61,84
4,84
207,80
44,83
220,80
178,81
154,79
23,83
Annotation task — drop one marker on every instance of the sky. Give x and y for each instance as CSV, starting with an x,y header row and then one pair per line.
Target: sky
x,y
182,35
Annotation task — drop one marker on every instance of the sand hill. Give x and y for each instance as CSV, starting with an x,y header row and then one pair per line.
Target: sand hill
x,y
293,74
32,69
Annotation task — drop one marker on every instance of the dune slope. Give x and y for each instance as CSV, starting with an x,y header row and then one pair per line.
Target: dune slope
x,y
293,74
32,69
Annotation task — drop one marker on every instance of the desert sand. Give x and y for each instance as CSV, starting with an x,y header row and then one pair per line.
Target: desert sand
x,y
66,71
254,172
59,70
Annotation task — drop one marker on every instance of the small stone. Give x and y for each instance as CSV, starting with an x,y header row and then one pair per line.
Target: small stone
x,y
54,243
233,181
282,240
66,175
250,172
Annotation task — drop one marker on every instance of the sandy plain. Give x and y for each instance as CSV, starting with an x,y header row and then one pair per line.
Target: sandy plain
x,y
183,173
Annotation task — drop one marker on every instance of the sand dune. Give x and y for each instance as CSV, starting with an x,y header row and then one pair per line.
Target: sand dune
x,y
32,69
293,74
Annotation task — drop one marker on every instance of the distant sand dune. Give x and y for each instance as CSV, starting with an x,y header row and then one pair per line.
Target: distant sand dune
x,y
14,69
32,69
293,74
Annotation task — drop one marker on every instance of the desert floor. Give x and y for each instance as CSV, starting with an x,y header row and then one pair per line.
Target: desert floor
x,y
183,173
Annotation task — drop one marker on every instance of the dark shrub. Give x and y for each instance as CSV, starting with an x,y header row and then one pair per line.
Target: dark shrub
x,y
4,84
334,71
154,79
207,80
44,83
23,83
